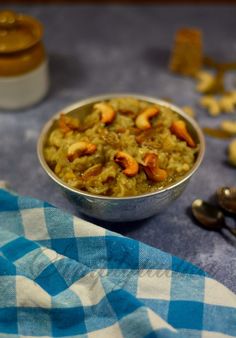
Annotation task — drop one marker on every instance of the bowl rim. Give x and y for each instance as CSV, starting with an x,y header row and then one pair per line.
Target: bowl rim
x,y
94,99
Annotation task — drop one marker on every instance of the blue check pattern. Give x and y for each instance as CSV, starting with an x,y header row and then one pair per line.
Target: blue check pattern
x,y
61,276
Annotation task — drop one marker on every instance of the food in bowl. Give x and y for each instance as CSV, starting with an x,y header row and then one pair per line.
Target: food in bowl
x,y
123,146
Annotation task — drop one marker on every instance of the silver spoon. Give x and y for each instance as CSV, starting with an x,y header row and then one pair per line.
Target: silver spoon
x,y
227,199
210,217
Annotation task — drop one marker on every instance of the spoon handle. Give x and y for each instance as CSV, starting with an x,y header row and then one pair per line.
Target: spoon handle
x,y
233,231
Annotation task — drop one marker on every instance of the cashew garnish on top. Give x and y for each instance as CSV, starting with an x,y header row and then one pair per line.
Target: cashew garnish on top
x,y
152,169
108,114
80,148
68,123
179,129
127,162
142,120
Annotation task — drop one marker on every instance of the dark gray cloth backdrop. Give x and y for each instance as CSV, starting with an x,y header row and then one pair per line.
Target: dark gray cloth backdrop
x,y
101,49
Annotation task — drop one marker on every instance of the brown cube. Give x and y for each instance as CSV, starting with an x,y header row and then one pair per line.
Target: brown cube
x,y
187,55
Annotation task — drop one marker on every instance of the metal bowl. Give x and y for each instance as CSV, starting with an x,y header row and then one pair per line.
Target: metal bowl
x,y
123,208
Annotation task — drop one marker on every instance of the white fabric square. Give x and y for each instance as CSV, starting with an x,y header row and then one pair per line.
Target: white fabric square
x,y
89,289
154,284
224,297
30,294
111,331
85,229
52,255
34,224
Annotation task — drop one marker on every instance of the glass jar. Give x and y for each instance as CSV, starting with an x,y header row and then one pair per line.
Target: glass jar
x,y
23,63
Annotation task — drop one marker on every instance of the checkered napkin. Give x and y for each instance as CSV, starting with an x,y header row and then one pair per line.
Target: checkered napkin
x,y
63,277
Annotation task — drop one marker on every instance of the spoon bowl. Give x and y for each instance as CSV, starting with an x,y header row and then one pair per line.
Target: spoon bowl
x,y
210,217
227,199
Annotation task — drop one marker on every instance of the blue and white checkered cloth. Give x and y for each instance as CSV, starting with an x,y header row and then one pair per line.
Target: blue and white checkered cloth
x,y
63,277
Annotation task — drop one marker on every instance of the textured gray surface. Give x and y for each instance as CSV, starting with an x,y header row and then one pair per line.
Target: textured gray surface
x,y
95,50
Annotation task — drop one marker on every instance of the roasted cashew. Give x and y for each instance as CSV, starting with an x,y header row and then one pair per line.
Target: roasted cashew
x,y
232,152
152,169
211,104
229,126
68,123
142,120
227,103
127,162
108,114
205,81
179,129
80,148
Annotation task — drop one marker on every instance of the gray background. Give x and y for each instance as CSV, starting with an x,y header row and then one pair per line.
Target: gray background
x,y
101,49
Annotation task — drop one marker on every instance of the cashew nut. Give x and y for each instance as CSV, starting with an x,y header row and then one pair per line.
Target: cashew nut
x,y
80,148
152,169
142,120
108,114
179,129
227,103
205,81
229,126
232,152
68,123
127,162
211,104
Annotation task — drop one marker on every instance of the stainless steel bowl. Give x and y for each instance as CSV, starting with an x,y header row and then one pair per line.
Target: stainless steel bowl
x,y
123,208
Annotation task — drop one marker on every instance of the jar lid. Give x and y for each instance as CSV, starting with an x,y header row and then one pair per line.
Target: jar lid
x,y
18,31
